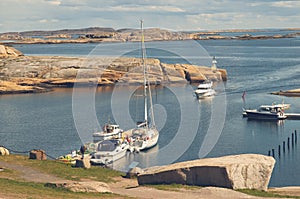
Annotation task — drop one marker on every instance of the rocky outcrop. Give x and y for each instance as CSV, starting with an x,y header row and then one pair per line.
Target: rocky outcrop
x,y
86,186
6,51
240,37
41,73
134,172
59,36
288,93
4,151
246,171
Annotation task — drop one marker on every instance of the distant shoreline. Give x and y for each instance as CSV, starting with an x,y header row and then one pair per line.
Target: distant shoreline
x,y
106,35
288,93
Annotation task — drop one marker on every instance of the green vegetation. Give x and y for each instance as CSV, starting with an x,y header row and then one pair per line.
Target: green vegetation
x,y
174,187
63,170
264,194
13,186
16,189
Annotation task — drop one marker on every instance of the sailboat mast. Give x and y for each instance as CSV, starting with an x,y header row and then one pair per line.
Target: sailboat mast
x,y
144,73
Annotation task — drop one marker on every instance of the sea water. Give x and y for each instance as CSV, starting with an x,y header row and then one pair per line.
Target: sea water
x,y
258,67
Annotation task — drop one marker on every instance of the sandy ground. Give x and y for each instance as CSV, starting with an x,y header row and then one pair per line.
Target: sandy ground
x,y
129,187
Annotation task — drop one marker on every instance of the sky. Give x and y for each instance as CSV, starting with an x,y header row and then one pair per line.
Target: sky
x,y
177,15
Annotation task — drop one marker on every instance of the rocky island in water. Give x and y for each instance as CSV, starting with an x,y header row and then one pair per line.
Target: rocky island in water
x,y
31,74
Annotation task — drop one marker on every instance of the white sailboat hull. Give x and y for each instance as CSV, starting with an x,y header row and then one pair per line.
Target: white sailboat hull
x,y
144,141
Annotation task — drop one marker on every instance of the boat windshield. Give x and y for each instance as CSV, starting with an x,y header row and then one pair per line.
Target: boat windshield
x,y
108,145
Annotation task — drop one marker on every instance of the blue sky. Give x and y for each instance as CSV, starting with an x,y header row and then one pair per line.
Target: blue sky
x,y
21,15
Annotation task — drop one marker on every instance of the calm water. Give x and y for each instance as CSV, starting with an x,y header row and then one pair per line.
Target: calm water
x,y
257,67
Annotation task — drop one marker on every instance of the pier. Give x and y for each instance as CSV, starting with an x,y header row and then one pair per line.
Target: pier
x,y
281,148
293,116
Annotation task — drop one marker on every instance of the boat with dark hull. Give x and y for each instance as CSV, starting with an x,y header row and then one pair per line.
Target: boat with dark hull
x,y
274,113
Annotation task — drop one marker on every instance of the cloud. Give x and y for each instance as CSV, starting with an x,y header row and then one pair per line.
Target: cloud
x,y
147,8
48,20
286,4
170,14
54,2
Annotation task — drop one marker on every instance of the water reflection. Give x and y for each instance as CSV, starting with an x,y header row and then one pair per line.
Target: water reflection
x,y
142,159
272,124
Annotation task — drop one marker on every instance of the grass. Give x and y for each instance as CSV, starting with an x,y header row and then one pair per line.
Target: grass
x,y
174,187
63,170
264,194
16,189
13,186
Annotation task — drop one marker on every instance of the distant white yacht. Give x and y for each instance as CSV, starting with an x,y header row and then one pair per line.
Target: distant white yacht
x,y
204,90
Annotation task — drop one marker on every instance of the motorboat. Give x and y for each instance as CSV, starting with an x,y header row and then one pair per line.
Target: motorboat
x,y
109,151
279,106
273,113
145,135
109,131
204,90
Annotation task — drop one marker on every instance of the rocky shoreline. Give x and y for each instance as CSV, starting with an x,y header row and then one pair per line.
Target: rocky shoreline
x,y
288,93
98,35
35,74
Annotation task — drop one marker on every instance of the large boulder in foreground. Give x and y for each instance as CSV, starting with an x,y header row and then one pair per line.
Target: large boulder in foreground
x,y
246,171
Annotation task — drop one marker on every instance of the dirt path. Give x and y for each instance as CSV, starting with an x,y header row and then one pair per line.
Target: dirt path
x,y
130,187
293,191
30,174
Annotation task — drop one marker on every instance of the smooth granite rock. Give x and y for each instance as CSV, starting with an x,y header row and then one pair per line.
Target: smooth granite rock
x,y
245,171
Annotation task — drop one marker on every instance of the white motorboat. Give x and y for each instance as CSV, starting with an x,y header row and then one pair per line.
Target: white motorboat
x,y
205,89
280,106
110,131
109,151
273,113
145,135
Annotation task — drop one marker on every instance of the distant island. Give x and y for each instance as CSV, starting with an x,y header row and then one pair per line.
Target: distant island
x,y
98,34
35,74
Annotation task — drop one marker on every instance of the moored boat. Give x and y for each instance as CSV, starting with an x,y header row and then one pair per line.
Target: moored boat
x,y
110,131
109,151
280,106
274,113
146,135
204,90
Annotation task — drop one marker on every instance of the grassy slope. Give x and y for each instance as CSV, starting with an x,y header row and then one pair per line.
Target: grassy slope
x,y
13,186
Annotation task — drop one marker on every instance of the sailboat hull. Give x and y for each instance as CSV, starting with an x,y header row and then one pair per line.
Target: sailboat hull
x,y
144,139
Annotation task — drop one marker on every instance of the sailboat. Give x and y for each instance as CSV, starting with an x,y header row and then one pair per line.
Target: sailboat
x,y
145,135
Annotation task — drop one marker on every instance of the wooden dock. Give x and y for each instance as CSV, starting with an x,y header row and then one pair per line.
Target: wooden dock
x,y
293,116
